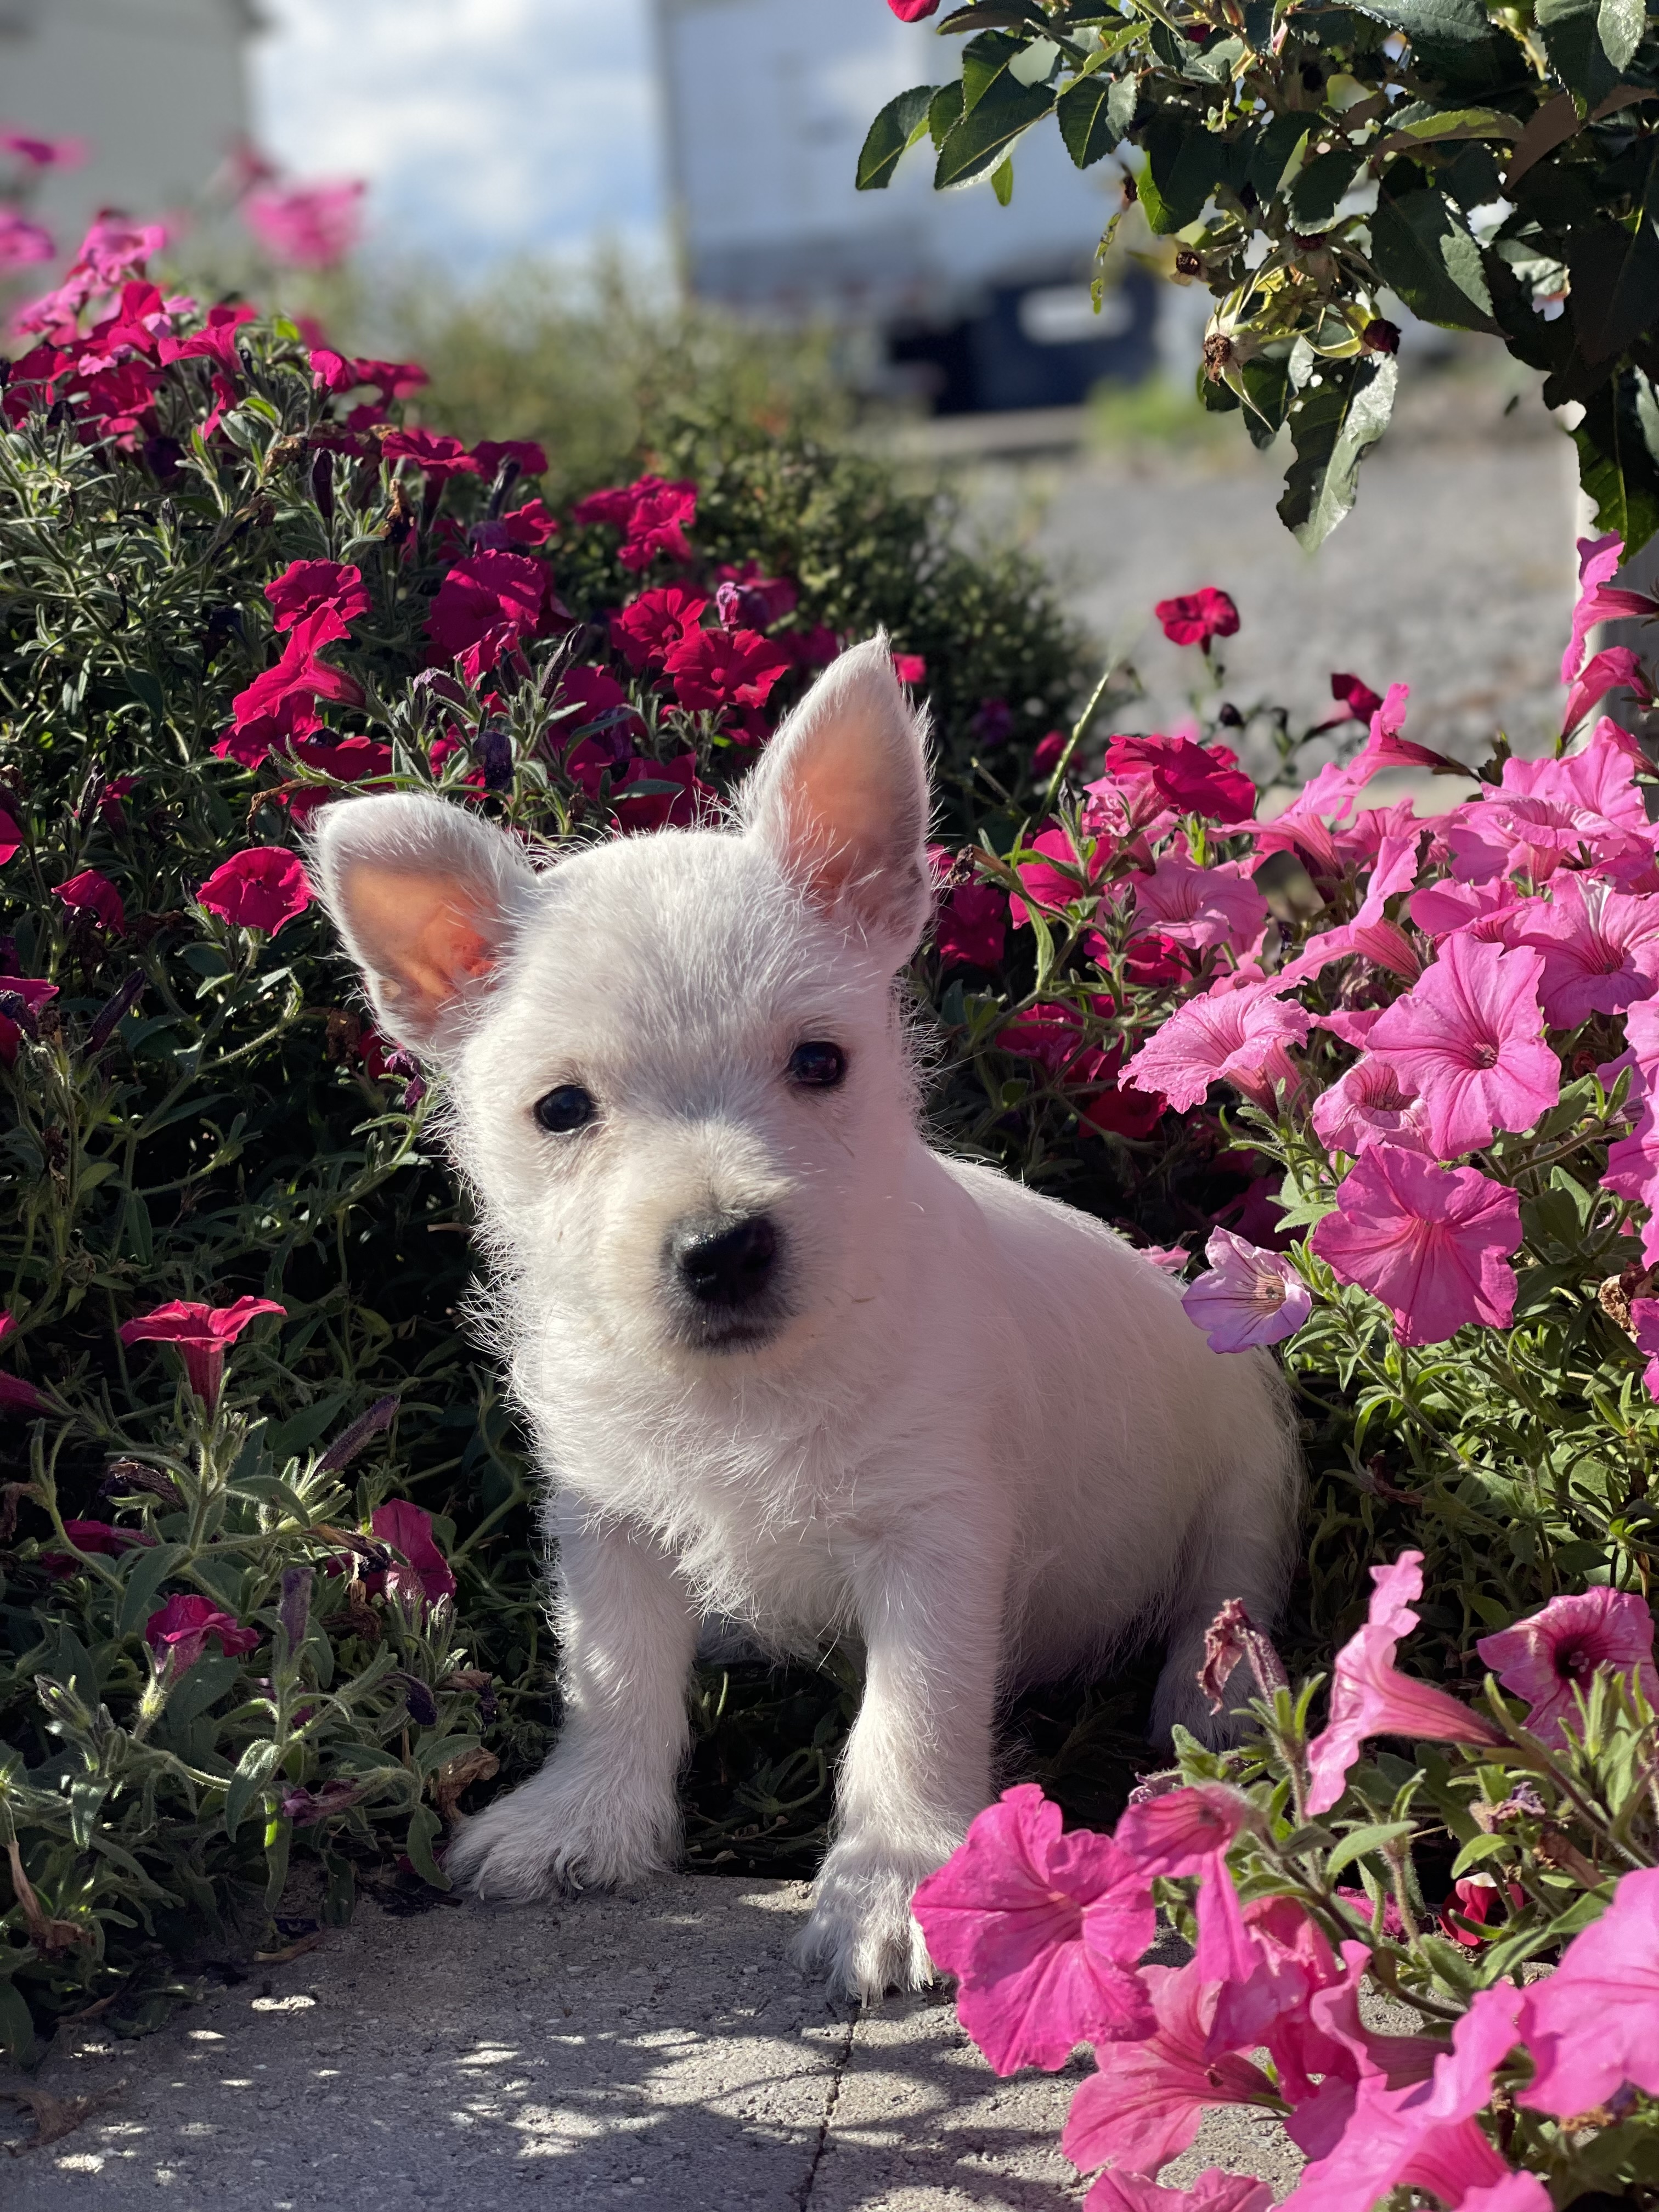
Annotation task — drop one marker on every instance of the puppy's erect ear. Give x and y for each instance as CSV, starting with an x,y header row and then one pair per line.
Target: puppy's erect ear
x,y
841,799
426,900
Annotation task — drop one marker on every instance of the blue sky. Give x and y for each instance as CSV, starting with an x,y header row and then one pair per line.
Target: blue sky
x,y
483,126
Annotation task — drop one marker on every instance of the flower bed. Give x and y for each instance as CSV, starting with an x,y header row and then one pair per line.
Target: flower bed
x,y
270,1571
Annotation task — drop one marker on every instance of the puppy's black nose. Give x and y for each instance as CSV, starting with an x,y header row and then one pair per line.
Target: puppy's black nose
x,y
730,1266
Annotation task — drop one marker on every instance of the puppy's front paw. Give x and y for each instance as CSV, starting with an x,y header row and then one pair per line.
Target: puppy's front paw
x,y
556,1834
862,1932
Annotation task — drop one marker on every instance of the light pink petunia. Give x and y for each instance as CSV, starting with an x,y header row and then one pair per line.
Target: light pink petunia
x,y
1370,1104
1593,2025
1370,1696
1303,827
1201,907
1043,1930
1251,1297
1143,2105
1600,948
307,226
1352,2057
1600,600
1390,2144
1587,805
1469,1036
1644,1327
1384,747
1551,1653
1370,933
200,1333
1235,1032
1431,1242
1213,2190
1616,667
1444,907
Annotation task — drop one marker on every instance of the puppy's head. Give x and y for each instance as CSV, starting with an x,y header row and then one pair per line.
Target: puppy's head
x,y
677,1078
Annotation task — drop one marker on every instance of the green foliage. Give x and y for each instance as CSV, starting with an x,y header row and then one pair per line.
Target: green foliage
x,y
1475,162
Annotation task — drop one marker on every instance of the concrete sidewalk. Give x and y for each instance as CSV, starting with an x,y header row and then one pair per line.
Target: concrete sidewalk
x,y
656,2048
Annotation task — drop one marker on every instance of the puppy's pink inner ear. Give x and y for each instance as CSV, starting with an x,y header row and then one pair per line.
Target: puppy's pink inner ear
x,y
430,939
839,808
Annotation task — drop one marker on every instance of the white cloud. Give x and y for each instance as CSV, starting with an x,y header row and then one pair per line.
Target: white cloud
x,y
484,127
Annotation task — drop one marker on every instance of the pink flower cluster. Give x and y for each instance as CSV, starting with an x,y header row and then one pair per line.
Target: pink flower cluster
x,y
1047,1931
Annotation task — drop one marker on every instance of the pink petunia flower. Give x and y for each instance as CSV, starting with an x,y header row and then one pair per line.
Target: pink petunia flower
x,y
425,1574
1370,933
1212,2192
1614,668
1600,600
1190,1832
1586,806
1644,1312
94,894
23,243
1197,616
38,153
1142,2105
1201,907
1553,1653
716,669
262,888
1043,1930
1370,1104
1235,1032
1370,1696
1469,1036
1302,827
306,585
31,993
1056,880
909,668
307,226
1600,948
645,628
215,341
1441,908
1430,1242
1250,1298
201,1334
1593,2025
178,1634
1384,747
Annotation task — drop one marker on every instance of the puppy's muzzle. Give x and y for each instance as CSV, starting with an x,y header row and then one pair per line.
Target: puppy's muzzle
x,y
727,1278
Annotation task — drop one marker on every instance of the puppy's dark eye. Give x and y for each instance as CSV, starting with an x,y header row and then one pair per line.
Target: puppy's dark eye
x,y
817,1066
566,1108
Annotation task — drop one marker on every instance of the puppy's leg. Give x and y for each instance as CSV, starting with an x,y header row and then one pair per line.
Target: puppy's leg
x,y
604,1809
917,1763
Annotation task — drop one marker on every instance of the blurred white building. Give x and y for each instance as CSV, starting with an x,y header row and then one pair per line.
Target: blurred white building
x,y
157,88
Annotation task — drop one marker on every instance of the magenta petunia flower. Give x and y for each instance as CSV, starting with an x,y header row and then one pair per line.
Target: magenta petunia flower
x,y
40,153
717,668
1201,907
262,888
306,585
1142,2105
1599,948
1213,2190
1600,600
281,702
425,1573
1188,1832
437,457
17,1396
1042,1931
1469,1036
490,453
1235,1032
1430,1242
94,894
215,341
652,515
645,630
1056,880
485,606
307,226
1616,667
1370,1696
178,1634
1193,778
1549,1656
1251,1297
30,992
912,11
23,243
1197,616
201,1336
1369,1104
970,929
909,668
1593,2025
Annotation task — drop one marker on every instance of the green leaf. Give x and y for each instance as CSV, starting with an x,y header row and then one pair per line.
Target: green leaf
x,y
1002,181
1422,247
1444,20
1620,24
148,692
1618,443
985,62
897,127
1441,125
1332,426
1271,152
1268,399
1371,1838
424,1829
254,1770
17,2028
944,113
1320,185
150,1572
978,144
1184,165
1093,114
1614,296
1473,1853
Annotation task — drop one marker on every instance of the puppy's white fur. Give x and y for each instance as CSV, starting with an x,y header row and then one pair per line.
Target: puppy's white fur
x,y
981,1437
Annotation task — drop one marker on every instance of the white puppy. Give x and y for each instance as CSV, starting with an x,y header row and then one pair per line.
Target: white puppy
x,y
784,1362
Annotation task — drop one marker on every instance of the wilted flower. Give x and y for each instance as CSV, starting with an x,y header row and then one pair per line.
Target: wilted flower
x,y
201,1334
1043,1931
1250,1298
1552,1653
178,1634
1198,617
262,888
303,1806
